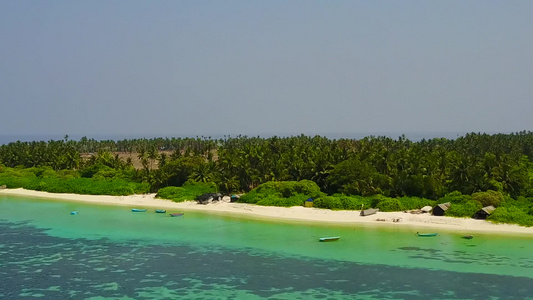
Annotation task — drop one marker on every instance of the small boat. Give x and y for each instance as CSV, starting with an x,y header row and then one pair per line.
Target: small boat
x,y
329,239
73,212
426,234
138,210
368,212
176,215
160,211
467,237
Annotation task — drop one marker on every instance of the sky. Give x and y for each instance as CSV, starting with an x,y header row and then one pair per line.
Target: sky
x,y
176,68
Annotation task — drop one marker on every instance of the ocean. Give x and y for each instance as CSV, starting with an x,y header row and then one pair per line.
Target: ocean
x,y
108,252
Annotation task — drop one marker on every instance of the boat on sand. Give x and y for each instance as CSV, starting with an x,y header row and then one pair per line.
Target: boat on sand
x,y
367,212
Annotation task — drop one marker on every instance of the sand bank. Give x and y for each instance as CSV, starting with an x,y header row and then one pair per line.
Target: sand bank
x,y
419,222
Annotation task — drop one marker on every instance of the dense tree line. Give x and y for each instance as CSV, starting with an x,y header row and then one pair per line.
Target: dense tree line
x,y
374,165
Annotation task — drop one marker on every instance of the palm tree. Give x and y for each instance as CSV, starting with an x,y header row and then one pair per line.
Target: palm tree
x,y
153,154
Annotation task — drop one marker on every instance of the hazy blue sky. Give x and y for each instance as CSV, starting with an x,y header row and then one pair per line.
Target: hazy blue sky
x,y
254,67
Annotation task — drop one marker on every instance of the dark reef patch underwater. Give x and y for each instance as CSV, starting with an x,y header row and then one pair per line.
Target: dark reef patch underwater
x,y
35,264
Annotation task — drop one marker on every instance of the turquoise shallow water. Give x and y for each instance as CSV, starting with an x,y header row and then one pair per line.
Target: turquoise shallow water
x,y
108,252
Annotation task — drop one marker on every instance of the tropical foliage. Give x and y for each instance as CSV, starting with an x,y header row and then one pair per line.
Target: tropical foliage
x,y
189,191
472,170
47,180
283,193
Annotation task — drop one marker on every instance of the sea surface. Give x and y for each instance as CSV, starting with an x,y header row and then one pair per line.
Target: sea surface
x,y
109,252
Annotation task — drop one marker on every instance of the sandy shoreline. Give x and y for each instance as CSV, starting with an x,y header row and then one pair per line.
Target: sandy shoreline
x,y
418,222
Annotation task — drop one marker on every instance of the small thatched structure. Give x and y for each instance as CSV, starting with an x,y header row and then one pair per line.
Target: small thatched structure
x,y
484,212
440,209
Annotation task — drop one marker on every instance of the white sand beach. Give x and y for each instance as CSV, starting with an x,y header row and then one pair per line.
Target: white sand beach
x,y
419,222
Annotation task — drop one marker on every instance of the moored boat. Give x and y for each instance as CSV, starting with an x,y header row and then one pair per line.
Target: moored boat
x,y
138,210
160,211
467,237
176,214
426,234
74,212
329,239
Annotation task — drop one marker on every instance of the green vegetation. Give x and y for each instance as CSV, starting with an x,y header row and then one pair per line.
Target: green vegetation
x,y
283,193
511,215
465,210
47,180
189,191
342,202
488,198
470,172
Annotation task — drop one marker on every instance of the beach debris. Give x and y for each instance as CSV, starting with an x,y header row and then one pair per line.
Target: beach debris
x,y
395,220
423,210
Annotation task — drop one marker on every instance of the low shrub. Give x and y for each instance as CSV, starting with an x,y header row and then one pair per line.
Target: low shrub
x,y
455,197
465,210
489,198
410,203
512,215
328,202
355,202
389,204
294,200
342,202
189,191
47,180
282,193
